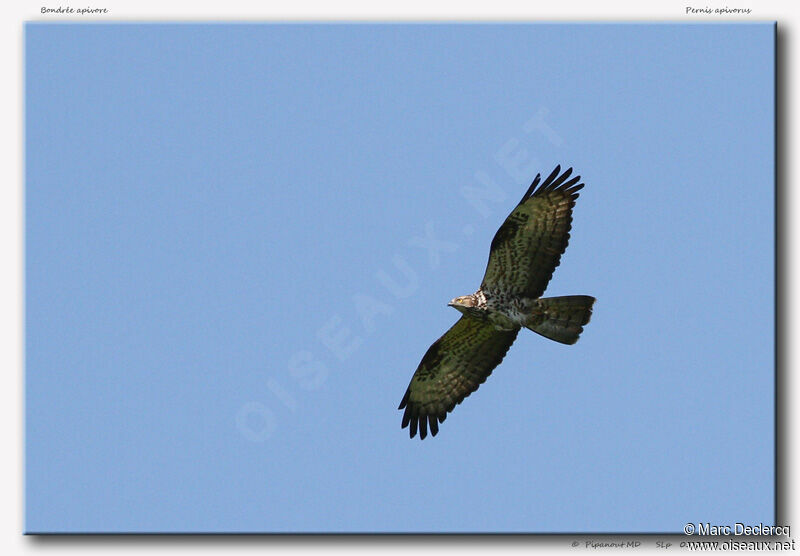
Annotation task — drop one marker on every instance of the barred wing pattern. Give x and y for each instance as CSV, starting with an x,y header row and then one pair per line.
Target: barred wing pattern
x,y
528,246
452,368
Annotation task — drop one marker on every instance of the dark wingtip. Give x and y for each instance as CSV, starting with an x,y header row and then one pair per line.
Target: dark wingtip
x,y
404,401
422,424
572,182
561,179
406,419
548,183
532,188
556,181
434,425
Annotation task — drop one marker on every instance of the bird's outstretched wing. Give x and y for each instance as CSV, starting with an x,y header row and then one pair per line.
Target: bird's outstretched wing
x,y
528,246
452,368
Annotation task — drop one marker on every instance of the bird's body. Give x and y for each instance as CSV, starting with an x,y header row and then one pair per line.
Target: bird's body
x,y
502,312
524,252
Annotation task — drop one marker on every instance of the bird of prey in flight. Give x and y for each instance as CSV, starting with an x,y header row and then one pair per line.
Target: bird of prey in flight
x,y
524,253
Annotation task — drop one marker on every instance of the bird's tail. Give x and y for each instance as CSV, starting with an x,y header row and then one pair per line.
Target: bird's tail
x,y
561,318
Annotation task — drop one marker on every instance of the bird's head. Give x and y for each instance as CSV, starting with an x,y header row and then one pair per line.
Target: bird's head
x,y
461,304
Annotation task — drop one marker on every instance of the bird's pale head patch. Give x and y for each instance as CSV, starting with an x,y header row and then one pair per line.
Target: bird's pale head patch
x,y
463,302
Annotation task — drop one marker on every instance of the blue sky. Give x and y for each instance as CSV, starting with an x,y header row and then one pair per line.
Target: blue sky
x,y
241,239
